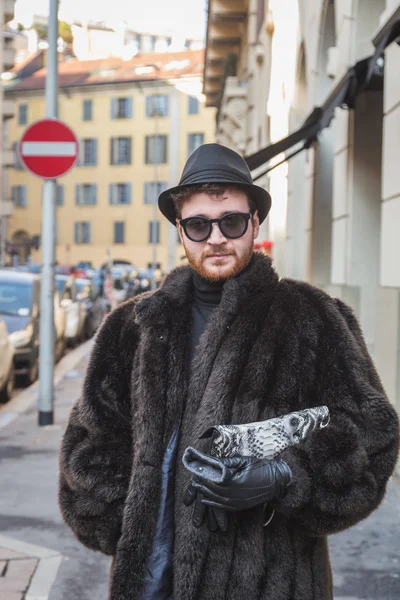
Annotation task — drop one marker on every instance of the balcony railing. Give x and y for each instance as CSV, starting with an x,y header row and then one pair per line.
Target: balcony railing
x,y
6,208
9,6
8,108
8,58
9,158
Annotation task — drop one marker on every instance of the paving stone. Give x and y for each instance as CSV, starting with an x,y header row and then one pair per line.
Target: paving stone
x,y
10,585
22,569
6,554
2,566
18,575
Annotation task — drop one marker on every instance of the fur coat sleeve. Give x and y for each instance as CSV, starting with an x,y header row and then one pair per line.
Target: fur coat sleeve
x,y
340,475
95,457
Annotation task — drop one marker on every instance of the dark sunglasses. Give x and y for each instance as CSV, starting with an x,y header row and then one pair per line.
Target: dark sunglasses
x,y
232,226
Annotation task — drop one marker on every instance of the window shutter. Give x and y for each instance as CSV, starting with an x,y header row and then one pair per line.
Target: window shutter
x,y
114,108
112,153
88,232
166,105
13,194
94,193
148,106
129,152
79,159
77,233
129,193
78,193
147,144
94,151
23,195
111,193
164,149
60,195
129,108
193,105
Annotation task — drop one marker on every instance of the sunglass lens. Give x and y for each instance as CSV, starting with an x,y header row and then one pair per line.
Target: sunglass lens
x,y
234,226
197,229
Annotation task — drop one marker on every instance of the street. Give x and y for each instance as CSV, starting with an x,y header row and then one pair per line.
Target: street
x,y
365,559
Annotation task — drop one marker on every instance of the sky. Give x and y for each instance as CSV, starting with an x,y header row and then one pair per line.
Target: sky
x,y
186,17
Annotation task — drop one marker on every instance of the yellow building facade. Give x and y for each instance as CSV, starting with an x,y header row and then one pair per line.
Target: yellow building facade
x,y
136,129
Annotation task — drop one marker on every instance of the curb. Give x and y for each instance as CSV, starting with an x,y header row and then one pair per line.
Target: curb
x,y
29,397
46,570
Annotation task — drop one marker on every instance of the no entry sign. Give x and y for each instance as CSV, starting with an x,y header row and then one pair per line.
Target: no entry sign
x,y
48,148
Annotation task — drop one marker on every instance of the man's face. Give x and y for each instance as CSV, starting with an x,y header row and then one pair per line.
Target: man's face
x,y
219,258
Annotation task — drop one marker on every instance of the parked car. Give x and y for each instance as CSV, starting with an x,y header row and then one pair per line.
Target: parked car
x,y
6,364
74,310
89,296
19,307
145,277
60,325
84,265
120,279
20,310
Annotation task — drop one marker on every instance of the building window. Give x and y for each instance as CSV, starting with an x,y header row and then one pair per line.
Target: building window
x,y
154,232
60,195
87,110
153,42
120,193
152,189
139,41
83,232
121,108
17,161
193,106
157,105
119,232
260,15
121,151
22,114
89,151
194,141
156,149
19,196
85,194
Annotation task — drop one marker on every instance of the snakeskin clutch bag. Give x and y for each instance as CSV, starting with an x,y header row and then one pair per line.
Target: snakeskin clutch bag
x,y
266,439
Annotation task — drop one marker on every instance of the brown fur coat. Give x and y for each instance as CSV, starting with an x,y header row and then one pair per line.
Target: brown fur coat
x,y
270,348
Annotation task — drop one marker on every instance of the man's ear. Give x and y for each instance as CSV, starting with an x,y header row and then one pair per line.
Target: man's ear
x,y
179,228
256,224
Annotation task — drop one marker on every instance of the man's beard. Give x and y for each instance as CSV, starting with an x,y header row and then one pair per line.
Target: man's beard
x,y
221,273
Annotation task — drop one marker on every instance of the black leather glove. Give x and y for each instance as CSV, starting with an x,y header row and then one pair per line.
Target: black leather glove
x,y
217,519
248,482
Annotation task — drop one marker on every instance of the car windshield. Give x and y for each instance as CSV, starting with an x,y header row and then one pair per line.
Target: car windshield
x,y
15,298
81,286
61,285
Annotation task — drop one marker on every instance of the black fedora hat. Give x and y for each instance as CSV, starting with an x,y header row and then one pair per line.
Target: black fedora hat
x,y
213,163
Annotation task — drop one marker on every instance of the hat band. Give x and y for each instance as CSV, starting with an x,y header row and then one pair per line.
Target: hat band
x,y
212,173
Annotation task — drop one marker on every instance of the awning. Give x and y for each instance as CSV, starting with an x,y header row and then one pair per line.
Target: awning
x,y
320,118
365,74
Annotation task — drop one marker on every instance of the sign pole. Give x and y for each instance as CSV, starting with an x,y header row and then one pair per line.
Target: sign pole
x,y
46,352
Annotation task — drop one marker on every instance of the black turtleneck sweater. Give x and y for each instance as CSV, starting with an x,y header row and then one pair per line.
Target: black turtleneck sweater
x,y
207,296
158,579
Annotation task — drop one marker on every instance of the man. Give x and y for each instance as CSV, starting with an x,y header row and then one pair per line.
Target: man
x,y
224,341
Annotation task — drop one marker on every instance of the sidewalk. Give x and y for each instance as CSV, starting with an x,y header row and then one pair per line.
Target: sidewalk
x,y
41,560
39,556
